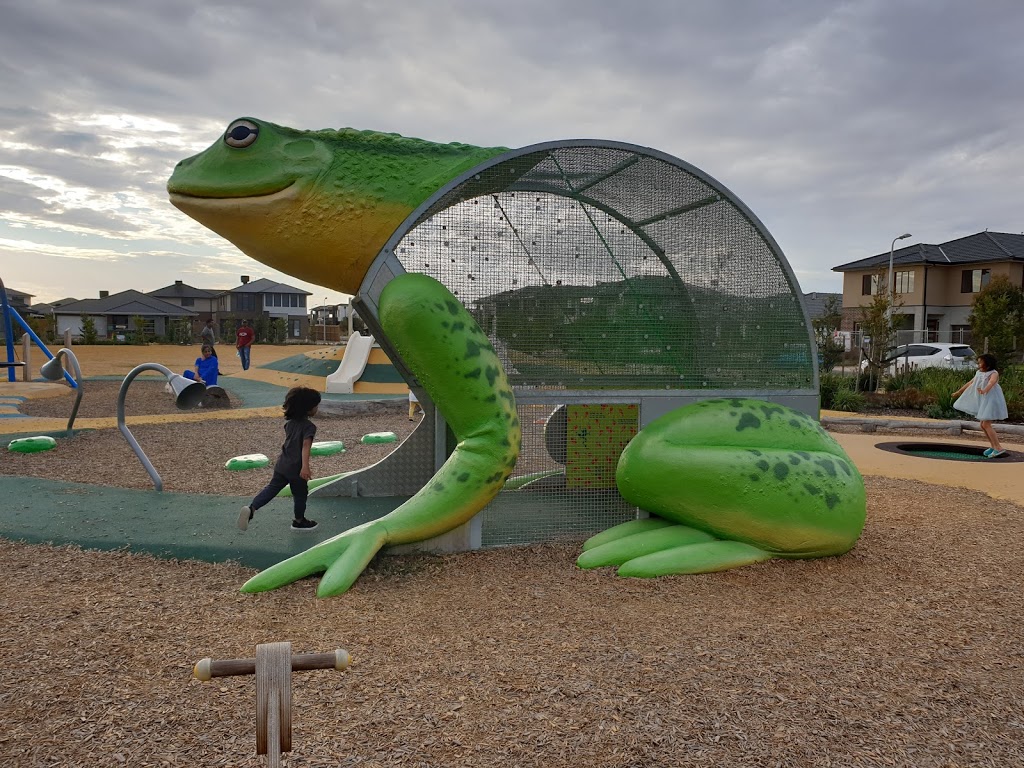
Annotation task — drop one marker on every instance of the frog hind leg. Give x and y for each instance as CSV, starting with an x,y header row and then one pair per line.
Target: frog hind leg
x,y
701,557
625,529
640,541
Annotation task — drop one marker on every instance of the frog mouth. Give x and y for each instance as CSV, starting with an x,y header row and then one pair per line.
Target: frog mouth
x,y
214,201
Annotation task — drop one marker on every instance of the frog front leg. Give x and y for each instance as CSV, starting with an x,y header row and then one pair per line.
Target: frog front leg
x,y
451,356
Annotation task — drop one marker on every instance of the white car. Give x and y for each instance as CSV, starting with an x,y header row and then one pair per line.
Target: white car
x,y
929,355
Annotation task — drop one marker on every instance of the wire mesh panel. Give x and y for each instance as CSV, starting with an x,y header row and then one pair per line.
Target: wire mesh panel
x,y
564,482
605,269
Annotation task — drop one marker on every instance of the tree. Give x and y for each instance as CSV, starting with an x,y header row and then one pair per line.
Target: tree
x,y
997,316
261,326
139,324
89,334
830,351
879,333
278,333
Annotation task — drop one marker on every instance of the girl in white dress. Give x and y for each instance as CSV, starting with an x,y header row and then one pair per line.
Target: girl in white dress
x,y
983,398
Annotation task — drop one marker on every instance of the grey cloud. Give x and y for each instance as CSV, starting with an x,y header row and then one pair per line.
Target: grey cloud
x,y
831,121
20,198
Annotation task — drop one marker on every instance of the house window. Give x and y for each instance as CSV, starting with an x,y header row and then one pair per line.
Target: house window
x,y
869,285
188,301
245,302
960,334
296,328
302,301
973,280
904,282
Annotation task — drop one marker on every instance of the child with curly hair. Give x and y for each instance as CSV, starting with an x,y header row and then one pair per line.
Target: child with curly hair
x,y
292,467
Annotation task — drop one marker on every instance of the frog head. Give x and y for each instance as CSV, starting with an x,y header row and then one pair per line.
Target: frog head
x,y
317,205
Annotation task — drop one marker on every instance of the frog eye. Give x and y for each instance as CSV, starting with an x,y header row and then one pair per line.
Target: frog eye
x,y
241,133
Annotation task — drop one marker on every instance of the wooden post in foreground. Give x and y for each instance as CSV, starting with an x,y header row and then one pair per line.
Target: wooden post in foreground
x,y
273,667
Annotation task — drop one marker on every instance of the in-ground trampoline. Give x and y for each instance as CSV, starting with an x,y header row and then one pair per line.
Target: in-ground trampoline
x,y
616,283
946,451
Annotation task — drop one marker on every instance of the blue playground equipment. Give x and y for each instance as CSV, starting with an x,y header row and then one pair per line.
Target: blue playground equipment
x,y
10,313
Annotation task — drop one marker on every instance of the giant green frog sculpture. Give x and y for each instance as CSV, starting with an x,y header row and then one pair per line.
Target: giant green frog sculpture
x,y
731,482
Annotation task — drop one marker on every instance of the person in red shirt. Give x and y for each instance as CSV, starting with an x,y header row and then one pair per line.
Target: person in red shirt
x,y
243,341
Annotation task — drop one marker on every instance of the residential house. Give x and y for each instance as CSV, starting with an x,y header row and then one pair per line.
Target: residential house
x,y
19,302
818,303
933,285
264,297
199,300
114,315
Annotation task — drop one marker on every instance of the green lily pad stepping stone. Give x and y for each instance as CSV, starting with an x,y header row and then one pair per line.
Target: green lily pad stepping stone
x,y
32,444
327,448
379,437
249,461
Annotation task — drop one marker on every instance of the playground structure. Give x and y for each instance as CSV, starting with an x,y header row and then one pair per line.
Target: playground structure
x,y
364,369
53,370
273,667
10,317
624,281
187,394
616,283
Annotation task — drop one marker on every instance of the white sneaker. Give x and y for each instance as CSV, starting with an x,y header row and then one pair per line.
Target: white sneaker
x,y
244,517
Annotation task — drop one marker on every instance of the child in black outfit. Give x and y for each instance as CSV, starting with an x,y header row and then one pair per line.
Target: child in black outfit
x,y
292,467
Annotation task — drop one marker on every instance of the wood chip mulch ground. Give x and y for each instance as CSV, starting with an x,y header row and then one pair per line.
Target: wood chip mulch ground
x,y
907,651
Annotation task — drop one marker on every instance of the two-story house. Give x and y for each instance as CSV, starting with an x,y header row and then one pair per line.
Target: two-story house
x,y
198,300
264,297
933,285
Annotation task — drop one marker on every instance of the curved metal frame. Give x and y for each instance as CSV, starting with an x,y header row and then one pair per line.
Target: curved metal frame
x,y
171,377
65,352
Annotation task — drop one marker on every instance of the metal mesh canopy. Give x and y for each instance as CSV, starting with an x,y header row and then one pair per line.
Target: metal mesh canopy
x,y
596,266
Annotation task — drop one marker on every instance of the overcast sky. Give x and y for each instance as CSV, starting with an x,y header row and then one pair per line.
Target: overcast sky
x,y
839,124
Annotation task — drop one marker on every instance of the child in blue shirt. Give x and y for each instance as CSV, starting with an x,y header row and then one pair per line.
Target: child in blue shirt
x,y
206,370
292,467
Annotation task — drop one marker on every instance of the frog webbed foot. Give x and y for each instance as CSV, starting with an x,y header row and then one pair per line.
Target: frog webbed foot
x,y
341,559
656,547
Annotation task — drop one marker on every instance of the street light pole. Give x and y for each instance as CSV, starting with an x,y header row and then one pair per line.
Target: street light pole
x,y
890,280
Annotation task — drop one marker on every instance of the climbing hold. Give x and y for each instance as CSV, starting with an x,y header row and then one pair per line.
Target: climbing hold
x,y
379,437
327,448
249,461
32,444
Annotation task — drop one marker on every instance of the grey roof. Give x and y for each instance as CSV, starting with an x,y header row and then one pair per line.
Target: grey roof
x,y
182,290
817,303
128,302
973,249
20,295
263,285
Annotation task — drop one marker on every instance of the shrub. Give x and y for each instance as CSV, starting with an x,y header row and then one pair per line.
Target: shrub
x,y
847,400
1011,380
905,378
909,398
835,388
